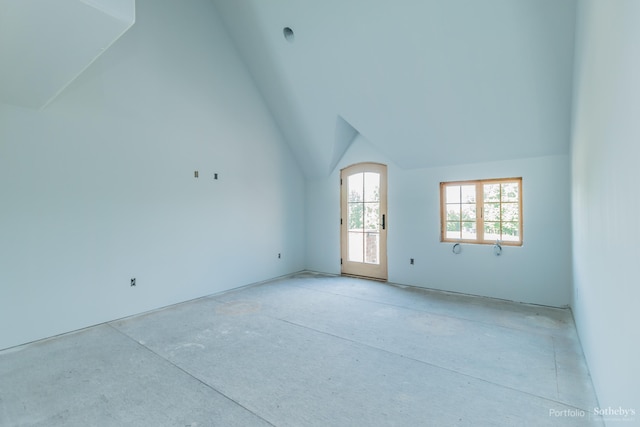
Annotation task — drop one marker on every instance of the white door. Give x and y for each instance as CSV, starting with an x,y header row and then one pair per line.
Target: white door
x,y
363,229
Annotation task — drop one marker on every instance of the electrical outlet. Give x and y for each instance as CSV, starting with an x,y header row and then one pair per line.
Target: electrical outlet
x,y
411,261
279,256
133,281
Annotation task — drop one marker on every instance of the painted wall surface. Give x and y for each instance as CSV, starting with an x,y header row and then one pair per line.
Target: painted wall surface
x,y
99,187
606,204
538,272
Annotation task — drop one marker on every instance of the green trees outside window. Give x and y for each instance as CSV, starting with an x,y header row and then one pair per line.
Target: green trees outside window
x,y
483,211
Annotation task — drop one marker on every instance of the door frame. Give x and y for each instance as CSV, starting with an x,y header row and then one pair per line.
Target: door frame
x,y
350,268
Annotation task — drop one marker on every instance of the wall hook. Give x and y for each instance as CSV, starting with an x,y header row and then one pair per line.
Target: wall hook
x,y
497,248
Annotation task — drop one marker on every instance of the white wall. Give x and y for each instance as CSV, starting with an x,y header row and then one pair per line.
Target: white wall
x,y
606,199
98,187
538,272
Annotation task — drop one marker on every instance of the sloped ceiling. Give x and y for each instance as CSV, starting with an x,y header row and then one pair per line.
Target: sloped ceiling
x,y
46,44
427,82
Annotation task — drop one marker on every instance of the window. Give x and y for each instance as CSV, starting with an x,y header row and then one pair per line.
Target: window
x,y
483,211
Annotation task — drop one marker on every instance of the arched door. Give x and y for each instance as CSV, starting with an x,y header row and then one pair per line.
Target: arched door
x,y
363,229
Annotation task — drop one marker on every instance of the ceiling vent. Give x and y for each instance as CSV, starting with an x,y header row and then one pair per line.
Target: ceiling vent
x,y
288,34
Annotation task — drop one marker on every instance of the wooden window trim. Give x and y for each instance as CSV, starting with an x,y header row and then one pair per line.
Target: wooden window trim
x,y
479,184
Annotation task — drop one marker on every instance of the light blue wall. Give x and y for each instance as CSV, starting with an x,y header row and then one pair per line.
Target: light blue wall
x,y
99,188
606,200
538,272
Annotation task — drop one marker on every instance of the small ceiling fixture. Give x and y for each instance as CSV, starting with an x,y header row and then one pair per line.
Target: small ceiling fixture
x,y
288,34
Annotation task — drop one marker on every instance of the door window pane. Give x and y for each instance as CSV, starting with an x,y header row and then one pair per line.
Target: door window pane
x,y
356,216
355,184
371,248
356,247
372,217
371,187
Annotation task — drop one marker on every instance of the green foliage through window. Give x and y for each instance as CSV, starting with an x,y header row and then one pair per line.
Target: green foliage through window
x,y
483,211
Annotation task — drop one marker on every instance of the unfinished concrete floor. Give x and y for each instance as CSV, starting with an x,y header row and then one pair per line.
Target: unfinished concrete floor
x,y
310,350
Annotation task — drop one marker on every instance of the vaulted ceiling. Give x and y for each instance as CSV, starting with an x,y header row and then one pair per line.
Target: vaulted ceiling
x,y
45,45
427,82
